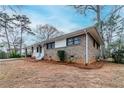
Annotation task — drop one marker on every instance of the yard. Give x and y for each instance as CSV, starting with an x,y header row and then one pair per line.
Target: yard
x,y
20,73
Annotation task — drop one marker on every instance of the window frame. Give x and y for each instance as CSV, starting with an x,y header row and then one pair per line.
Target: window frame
x,y
37,49
40,49
32,49
50,45
73,40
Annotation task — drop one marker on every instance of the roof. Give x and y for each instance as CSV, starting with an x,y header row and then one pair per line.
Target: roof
x,y
75,33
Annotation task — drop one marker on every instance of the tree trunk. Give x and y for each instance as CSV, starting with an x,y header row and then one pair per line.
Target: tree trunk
x,y
14,46
100,27
98,17
21,42
7,37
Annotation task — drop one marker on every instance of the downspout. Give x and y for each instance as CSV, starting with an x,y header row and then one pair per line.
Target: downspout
x,y
86,61
43,50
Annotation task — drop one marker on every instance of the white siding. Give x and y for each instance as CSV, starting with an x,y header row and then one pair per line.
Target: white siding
x,y
61,43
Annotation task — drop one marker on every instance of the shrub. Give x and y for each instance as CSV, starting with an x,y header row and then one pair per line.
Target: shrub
x,y
14,54
61,55
118,56
28,55
3,55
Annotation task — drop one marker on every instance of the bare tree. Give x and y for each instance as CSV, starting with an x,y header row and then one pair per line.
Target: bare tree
x,y
45,32
110,28
5,19
14,38
13,8
24,22
120,34
82,9
97,9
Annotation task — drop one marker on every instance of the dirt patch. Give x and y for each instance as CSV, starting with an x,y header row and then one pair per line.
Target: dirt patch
x,y
22,73
94,65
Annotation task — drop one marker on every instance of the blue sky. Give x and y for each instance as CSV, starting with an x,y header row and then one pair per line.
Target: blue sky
x,y
64,18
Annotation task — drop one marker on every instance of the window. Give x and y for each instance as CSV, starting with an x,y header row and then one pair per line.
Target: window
x,y
37,49
70,41
32,48
73,41
40,49
93,42
76,40
98,46
51,45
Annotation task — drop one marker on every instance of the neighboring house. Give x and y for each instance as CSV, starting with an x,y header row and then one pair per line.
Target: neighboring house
x,y
83,45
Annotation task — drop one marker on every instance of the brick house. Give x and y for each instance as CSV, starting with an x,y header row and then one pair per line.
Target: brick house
x,y
83,45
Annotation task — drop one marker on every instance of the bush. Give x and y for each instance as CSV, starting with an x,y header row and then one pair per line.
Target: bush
x,y
61,55
3,55
118,56
28,55
14,54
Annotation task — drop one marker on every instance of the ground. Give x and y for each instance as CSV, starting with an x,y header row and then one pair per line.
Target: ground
x,y
40,74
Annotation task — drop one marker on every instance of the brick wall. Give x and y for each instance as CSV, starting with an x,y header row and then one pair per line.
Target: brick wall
x,y
92,51
78,51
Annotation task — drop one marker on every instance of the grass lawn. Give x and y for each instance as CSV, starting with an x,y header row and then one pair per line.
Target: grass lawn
x,y
20,73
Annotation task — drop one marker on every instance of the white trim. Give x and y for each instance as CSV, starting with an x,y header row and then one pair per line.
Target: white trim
x,y
86,48
60,43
